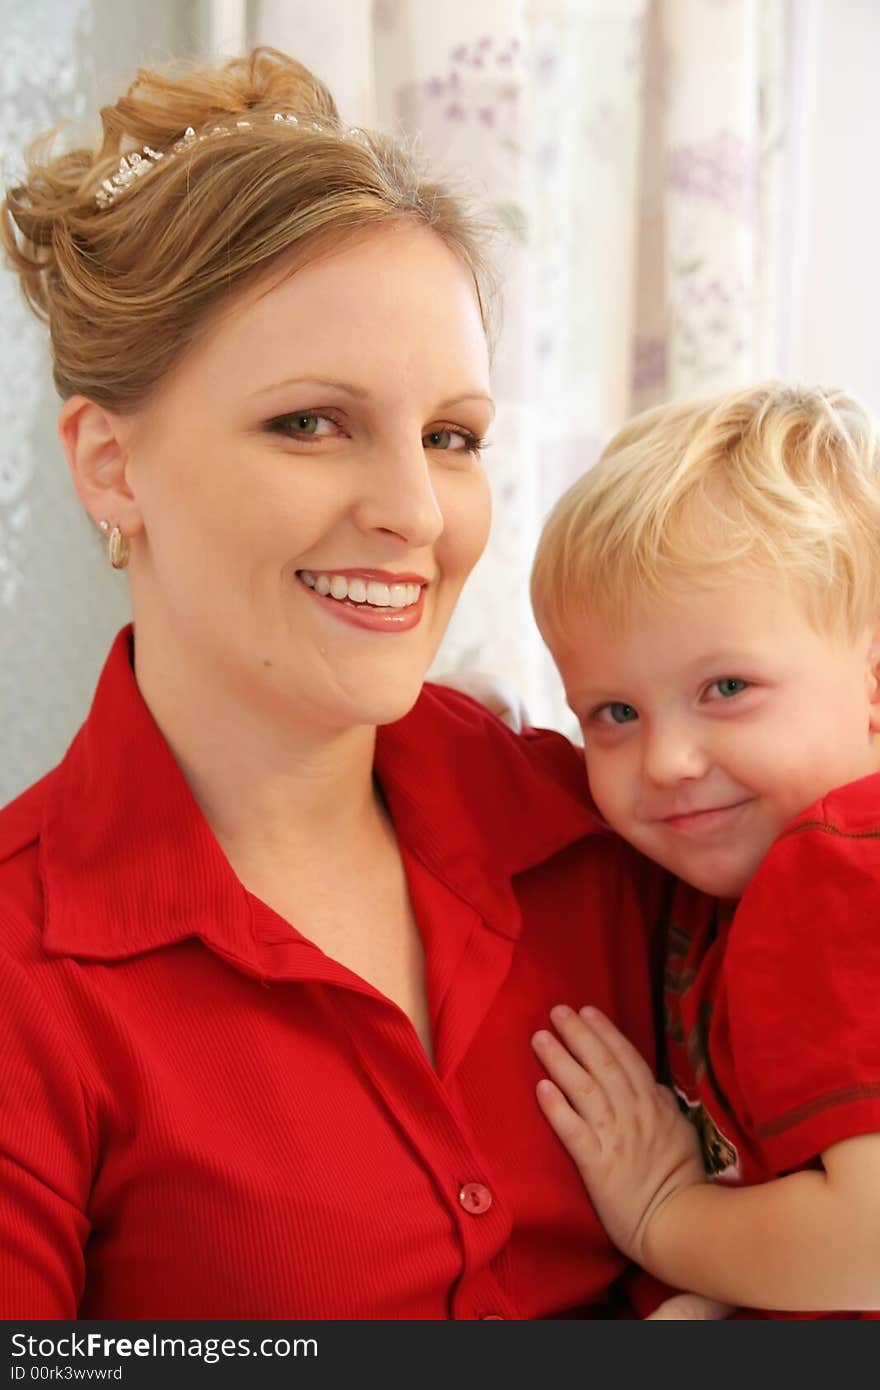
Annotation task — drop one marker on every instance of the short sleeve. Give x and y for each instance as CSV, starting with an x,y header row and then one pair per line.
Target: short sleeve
x,y
801,984
45,1162
561,758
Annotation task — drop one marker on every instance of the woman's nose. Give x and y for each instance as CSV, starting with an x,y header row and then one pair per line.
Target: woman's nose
x,y
399,497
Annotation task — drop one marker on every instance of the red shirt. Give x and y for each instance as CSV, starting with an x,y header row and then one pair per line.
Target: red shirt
x,y
773,1015
204,1116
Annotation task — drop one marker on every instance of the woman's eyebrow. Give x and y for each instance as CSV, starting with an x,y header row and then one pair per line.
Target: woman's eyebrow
x,y
360,393
468,396
357,391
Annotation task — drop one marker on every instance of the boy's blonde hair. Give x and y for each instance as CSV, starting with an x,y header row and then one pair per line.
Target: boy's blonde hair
x,y
776,479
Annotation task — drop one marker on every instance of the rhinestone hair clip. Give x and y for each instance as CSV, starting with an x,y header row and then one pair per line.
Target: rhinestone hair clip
x,y
133,166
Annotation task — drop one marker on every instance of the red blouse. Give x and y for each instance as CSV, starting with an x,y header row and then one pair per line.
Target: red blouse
x,y
204,1116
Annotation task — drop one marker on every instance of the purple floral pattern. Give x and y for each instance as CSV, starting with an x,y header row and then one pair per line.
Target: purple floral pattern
x,y
649,364
469,113
721,169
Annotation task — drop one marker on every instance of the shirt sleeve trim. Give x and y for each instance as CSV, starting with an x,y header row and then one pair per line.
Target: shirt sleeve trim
x,y
800,1113
803,1145
828,828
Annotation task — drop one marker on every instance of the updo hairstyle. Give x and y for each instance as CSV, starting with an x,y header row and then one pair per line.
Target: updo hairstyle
x,y
124,288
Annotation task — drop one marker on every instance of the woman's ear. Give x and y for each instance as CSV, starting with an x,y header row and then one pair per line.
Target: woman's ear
x,y
872,677
94,441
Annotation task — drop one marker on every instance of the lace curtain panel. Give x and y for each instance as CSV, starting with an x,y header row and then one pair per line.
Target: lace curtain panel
x,y
59,605
638,158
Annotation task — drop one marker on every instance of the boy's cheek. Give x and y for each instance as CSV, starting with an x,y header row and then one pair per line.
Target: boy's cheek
x,y
608,786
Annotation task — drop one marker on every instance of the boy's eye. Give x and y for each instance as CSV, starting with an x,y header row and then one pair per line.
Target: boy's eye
x,y
728,686
616,712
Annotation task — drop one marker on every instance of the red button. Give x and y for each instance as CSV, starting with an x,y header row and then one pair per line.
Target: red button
x,y
492,1317
475,1198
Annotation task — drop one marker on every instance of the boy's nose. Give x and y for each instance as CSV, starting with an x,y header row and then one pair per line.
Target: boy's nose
x,y
673,755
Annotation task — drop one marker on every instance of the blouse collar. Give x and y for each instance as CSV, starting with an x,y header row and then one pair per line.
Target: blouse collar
x,y
129,863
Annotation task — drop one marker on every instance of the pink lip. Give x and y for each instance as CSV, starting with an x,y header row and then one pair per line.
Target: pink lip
x,y
713,817
389,620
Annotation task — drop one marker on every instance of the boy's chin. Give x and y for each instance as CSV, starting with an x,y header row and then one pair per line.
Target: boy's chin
x,y
718,881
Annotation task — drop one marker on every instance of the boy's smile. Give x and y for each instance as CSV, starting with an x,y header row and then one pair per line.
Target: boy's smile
x,y
714,717
706,819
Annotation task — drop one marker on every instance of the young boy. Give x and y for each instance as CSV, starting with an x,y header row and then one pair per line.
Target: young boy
x,y
710,592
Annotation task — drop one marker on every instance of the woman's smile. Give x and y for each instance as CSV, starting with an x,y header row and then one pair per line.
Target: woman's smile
x,y
373,599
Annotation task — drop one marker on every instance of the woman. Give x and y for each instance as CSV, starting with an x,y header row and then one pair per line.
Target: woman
x,y
277,931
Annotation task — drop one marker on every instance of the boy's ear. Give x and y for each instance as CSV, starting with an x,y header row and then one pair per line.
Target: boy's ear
x,y
872,677
94,442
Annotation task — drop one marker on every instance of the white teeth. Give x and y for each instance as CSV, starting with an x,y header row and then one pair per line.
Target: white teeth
x,y
373,592
378,594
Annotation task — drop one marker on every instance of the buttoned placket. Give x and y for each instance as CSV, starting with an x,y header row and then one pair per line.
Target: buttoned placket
x,y
421,1102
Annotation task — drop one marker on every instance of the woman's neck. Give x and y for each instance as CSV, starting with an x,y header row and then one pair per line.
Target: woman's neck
x,y
269,782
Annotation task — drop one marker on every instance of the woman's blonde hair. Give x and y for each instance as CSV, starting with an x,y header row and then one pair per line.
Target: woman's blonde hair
x,y
125,287
775,479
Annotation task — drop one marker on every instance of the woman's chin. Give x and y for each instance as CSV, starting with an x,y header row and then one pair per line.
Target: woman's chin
x,y
369,704
378,693
387,708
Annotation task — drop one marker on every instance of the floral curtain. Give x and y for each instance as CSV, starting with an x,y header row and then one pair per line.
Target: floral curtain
x,y
636,156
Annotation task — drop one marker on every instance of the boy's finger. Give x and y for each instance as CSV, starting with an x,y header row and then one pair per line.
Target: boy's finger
x,y
587,1045
580,1089
639,1074
577,1137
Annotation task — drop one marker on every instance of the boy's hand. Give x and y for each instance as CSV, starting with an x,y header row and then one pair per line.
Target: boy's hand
x,y
633,1148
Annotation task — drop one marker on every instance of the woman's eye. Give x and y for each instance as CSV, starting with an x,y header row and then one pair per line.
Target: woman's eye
x,y
304,424
728,686
616,712
452,441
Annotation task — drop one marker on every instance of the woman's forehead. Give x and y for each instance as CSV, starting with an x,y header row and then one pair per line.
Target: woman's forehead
x,y
397,301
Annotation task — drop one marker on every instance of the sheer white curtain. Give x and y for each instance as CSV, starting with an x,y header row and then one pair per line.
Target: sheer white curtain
x,y
59,603
639,157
